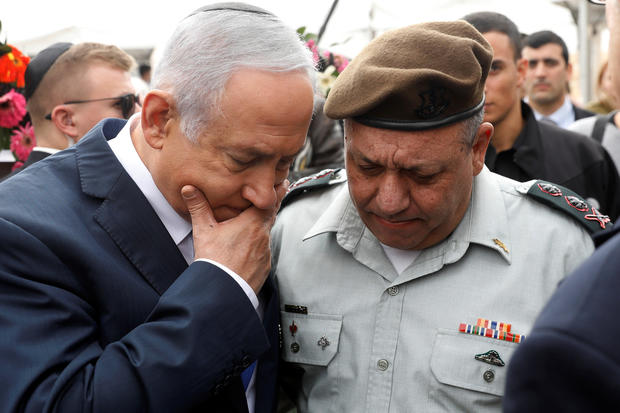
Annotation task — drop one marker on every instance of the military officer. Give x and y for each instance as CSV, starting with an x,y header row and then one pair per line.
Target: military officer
x,y
408,282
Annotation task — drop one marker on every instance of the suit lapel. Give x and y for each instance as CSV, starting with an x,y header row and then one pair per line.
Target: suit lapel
x,y
125,214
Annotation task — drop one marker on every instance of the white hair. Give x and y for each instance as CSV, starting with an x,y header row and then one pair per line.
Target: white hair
x,y
471,125
208,47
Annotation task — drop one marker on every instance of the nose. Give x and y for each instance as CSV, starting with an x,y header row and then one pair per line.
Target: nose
x,y
392,195
539,70
260,190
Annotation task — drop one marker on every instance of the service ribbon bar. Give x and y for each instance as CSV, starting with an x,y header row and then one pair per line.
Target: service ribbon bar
x,y
496,325
491,333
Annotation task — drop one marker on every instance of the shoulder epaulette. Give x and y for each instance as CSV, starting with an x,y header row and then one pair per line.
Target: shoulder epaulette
x,y
321,179
565,200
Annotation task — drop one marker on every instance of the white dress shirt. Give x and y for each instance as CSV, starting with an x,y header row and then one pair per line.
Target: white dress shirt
x,y
179,228
563,117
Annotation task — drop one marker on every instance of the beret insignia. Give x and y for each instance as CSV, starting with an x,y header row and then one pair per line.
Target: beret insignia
x,y
433,103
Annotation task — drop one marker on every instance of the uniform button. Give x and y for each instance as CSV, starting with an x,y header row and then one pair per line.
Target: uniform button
x,y
488,376
393,291
295,348
383,364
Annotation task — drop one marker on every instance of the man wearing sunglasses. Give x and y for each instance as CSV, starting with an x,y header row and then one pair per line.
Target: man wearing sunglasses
x,y
69,88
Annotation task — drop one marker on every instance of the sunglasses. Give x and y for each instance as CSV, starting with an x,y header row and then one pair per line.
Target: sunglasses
x,y
127,103
601,2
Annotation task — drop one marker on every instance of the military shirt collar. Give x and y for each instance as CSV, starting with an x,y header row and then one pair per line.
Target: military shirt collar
x,y
485,222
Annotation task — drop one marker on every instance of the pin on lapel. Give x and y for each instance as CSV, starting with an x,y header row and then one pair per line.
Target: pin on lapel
x,y
490,357
501,245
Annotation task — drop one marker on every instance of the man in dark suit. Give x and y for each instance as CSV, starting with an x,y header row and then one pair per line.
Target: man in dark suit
x,y
569,363
134,265
521,147
547,78
71,87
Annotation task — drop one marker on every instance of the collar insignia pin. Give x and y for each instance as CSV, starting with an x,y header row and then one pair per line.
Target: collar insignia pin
x,y
490,357
501,245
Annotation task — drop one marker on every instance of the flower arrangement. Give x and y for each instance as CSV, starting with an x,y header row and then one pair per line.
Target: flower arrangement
x,y
329,64
16,133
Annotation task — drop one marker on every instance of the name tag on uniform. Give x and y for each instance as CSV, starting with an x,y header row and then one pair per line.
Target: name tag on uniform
x,y
297,309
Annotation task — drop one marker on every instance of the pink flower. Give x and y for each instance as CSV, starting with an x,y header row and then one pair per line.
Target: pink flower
x,y
311,44
17,164
343,65
12,109
22,141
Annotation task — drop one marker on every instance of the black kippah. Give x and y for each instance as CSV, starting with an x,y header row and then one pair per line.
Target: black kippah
x,y
232,5
41,63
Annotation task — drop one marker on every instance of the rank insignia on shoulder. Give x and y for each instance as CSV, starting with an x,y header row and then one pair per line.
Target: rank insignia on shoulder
x,y
322,179
565,200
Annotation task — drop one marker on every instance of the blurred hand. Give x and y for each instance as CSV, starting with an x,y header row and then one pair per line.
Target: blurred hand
x,y
240,243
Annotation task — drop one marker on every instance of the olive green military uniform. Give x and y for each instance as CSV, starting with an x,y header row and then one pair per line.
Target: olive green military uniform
x,y
370,340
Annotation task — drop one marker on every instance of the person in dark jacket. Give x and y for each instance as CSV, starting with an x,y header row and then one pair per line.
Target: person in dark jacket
x,y
523,148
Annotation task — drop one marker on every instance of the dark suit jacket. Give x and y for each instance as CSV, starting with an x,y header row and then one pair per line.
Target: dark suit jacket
x,y
581,113
35,156
570,362
100,312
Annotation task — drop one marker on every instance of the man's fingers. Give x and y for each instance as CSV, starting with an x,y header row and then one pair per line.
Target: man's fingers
x,y
197,206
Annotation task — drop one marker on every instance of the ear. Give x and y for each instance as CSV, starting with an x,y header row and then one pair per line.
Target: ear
x,y
157,111
569,71
62,116
479,148
521,71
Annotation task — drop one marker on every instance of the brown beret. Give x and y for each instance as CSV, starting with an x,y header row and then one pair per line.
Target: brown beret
x,y
418,77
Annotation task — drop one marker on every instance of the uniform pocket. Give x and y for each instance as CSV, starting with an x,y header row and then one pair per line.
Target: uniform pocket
x,y
453,362
310,338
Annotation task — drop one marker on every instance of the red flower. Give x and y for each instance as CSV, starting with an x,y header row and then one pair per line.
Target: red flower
x,y
16,165
22,141
12,109
13,67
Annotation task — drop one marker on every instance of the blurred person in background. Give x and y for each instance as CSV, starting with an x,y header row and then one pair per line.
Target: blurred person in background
x,y
523,148
547,79
605,101
70,88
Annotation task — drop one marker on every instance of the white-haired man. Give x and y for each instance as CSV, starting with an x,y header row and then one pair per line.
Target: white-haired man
x,y
133,275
